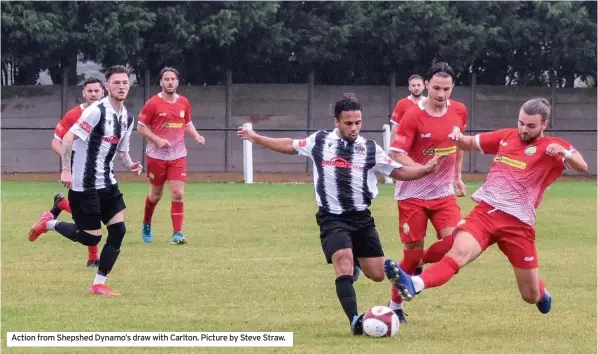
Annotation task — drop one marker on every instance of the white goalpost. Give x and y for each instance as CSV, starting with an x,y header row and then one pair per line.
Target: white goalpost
x,y
248,154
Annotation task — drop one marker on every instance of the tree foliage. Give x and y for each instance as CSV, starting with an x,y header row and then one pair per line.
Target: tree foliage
x,y
503,43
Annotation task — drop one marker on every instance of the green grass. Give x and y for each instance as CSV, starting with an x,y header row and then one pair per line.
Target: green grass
x,y
254,263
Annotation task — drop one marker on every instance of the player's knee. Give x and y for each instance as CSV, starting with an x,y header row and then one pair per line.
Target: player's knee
x,y
177,196
530,294
116,233
343,261
415,245
88,239
376,275
155,197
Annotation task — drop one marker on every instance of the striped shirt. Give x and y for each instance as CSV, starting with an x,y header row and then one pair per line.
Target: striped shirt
x,y
344,172
101,133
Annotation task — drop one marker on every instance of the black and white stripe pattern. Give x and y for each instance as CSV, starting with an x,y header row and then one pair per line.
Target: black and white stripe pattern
x,y
101,132
344,172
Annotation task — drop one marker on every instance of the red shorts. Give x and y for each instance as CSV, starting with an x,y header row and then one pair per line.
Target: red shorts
x,y
516,239
414,214
159,171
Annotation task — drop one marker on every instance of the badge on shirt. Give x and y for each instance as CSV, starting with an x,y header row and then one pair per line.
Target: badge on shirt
x,y
182,114
530,150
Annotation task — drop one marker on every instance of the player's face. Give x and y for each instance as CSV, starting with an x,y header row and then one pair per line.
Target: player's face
x,y
530,127
169,82
118,86
349,125
439,90
93,92
416,87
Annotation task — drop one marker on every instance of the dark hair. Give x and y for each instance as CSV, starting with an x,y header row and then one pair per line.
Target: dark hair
x,y
414,77
346,104
539,106
169,69
92,80
116,69
441,69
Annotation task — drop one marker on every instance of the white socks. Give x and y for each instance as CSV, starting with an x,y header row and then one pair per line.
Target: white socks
x,y
394,306
99,279
418,284
50,225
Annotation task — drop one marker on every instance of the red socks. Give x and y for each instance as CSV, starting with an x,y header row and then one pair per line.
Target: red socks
x,y
92,253
439,273
438,249
148,212
411,259
395,296
176,213
65,206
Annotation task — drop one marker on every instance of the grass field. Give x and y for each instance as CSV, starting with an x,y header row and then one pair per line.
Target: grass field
x,y
254,263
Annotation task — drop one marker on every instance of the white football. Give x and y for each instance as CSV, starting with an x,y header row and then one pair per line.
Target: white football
x,y
381,321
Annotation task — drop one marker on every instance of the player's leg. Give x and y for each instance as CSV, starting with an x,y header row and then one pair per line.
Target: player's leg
x,y
413,223
335,238
113,216
176,175
445,215
156,173
517,242
472,236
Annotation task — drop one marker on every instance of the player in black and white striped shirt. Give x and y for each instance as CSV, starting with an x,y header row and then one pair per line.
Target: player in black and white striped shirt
x,y
345,182
102,132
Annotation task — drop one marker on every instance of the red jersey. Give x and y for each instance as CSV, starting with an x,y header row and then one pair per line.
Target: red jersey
x,y
404,105
166,120
520,172
421,136
66,122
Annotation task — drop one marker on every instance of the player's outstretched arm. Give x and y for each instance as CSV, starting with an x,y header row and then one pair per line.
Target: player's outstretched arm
x,y
409,173
573,159
283,145
403,158
463,142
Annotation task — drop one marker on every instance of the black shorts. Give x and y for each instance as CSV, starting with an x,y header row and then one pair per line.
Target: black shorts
x,y
93,207
355,230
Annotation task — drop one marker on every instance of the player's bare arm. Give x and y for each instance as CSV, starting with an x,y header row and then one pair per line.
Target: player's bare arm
x,y
463,143
460,189
191,130
134,167
573,159
409,173
403,158
283,145
57,146
148,134
66,177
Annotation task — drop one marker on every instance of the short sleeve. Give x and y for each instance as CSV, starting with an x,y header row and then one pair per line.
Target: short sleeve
x,y
305,146
146,116
187,112
88,120
125,142
384,164
406,134
489,143
397,113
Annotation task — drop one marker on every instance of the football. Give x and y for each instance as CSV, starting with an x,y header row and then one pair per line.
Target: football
x,y
380,321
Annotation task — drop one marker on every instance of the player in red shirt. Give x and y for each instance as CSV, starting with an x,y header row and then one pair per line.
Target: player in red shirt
x,y
416,87
164,120
92,91
526,162
423,132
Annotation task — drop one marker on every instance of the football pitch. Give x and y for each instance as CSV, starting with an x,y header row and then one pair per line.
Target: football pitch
x,y
253,263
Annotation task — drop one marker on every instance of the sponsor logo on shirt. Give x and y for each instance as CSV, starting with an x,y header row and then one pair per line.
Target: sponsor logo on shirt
x,y
339,162
510,162
441,151
172,125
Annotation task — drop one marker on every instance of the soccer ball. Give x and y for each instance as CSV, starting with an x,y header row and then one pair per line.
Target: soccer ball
x,y
381,321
